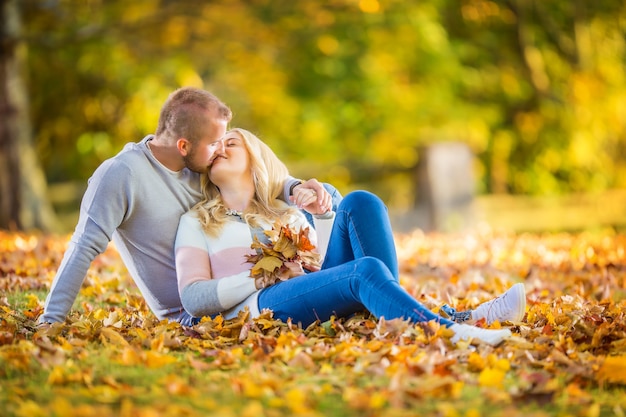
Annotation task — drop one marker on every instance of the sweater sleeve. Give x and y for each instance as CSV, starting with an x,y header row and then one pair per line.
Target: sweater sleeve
x,y
214,296
200,293
323,228
289,182
102,210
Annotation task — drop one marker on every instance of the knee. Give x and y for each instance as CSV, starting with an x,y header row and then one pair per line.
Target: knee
x,y
373,269
370,275
363,200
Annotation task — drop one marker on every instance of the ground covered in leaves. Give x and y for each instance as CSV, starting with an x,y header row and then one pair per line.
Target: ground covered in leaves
x,y
112,357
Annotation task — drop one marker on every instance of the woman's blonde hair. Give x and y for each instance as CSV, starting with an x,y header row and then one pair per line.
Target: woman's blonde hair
x,y
268,173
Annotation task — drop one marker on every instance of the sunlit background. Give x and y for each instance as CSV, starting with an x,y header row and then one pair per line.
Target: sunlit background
x,y
456,113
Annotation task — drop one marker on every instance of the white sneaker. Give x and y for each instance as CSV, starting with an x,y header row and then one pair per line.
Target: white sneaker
x,y
492,337
510,306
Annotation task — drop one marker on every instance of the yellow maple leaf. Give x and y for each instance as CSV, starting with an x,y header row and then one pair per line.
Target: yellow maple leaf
x,y
32,301
112,337
377,400
296,400
491,377
476,362
613,369
498,363
56,376
285,245
176,385
253,409
251,389
157,360
130,356
267,263
30,408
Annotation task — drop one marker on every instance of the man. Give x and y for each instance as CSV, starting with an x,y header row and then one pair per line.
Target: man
x,y
136,199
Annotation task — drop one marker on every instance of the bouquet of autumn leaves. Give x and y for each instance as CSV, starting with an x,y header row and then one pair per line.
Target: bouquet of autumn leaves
x,y
284,256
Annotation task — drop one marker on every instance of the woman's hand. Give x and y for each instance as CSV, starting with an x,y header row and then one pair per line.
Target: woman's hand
x,y
289,270
292,269
259,283
311,268
312,197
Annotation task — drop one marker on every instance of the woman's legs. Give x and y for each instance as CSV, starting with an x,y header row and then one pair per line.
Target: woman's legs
x,y
360,271
362,228
353,286
365,283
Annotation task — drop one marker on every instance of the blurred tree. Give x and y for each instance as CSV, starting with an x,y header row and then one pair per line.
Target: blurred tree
x,y
23,200
345,90
553,74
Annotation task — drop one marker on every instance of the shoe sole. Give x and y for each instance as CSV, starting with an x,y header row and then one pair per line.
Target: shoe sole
x,y
520,292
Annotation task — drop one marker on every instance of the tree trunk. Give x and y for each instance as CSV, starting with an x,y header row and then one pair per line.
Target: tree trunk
x,y
23,189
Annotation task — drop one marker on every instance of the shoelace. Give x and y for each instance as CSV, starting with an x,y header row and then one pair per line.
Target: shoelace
x,y
457,316
497,305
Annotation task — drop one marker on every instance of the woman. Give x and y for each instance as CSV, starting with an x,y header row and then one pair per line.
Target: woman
x,y
359,270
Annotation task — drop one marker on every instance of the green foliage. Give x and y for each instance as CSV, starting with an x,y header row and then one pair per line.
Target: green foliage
x,y
346,91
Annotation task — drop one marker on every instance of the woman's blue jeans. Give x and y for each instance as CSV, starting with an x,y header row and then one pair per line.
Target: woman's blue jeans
x,y
360,272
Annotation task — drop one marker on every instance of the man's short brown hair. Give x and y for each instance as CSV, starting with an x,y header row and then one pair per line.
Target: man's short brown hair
x,y
186,113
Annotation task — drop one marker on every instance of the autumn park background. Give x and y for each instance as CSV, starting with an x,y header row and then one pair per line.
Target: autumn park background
x,y
525,100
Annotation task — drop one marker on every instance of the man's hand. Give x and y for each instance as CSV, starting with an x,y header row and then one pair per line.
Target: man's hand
x,y
312,197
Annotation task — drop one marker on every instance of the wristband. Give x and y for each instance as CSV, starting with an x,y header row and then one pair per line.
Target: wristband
x,y
294,185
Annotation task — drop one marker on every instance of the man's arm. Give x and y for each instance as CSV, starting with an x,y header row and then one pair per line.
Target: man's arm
x,y
102,210
86,243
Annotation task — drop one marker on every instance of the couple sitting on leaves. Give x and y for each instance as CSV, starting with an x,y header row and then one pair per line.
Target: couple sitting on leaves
x,y
133,198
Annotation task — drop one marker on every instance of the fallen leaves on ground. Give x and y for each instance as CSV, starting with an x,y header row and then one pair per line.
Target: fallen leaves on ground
x,y
112,357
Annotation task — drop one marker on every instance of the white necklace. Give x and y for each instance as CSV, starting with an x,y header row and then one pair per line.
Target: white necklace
x,y
231,212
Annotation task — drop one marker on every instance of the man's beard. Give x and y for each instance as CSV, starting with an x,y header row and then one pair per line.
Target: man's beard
x,y
189,162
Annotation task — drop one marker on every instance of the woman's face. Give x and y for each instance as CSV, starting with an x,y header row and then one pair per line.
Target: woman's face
x,y
232,160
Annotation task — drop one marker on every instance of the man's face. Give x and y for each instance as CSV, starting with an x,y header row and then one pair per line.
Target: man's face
x,y
200,155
